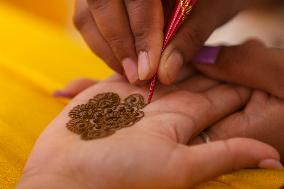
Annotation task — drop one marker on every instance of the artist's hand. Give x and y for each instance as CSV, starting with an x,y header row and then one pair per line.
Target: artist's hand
x,y
254,65
251,64
153,153
119,31
128,35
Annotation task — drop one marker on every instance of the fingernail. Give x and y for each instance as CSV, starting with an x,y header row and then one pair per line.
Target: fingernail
x,y
270,164
130,69
207,55
143,65
62,94
173,65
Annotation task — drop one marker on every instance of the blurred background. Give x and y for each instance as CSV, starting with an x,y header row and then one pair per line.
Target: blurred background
x,y
40,52
56,11
38,35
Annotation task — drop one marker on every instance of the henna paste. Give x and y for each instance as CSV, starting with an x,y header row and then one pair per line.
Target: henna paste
x,y
104,114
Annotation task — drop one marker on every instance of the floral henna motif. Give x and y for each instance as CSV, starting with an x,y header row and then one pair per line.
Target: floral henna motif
x,y
104,114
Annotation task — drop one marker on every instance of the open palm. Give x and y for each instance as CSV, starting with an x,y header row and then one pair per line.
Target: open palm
x,y
153,153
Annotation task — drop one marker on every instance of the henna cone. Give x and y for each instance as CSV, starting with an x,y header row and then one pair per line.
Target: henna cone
x,y
181,11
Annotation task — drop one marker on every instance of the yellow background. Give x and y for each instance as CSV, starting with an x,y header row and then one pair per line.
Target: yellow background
x,y
39,54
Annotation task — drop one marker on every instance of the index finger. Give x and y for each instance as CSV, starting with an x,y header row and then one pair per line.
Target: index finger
x,y
147,21
112,20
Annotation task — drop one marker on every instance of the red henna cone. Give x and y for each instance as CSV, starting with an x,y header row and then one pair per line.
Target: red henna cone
x,y
180,13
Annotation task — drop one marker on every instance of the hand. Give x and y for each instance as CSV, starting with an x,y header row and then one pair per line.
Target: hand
x,y
128,35
154,150
251,64
262,119
254,65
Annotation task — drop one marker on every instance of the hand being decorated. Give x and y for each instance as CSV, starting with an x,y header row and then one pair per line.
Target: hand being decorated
x,y
152,152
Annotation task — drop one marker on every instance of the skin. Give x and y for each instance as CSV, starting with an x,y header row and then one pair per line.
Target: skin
x,y
152,152
133,45
261,119
254,65
250,64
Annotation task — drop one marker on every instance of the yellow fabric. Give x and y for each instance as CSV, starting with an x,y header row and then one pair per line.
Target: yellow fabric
x,y
56,11
37,58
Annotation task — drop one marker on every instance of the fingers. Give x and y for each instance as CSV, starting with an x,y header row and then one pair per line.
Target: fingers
x,y
205,18
198,84
185,74
186,81
75,87
138,30
147,22
87,26
113,23
199,110
217,158
241,124
260,120
250,64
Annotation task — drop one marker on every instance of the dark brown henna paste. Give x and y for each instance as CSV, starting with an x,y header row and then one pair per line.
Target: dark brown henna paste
x,y
104,114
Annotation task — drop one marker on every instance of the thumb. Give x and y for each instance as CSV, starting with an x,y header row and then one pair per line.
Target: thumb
x,y
251,64
207,161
